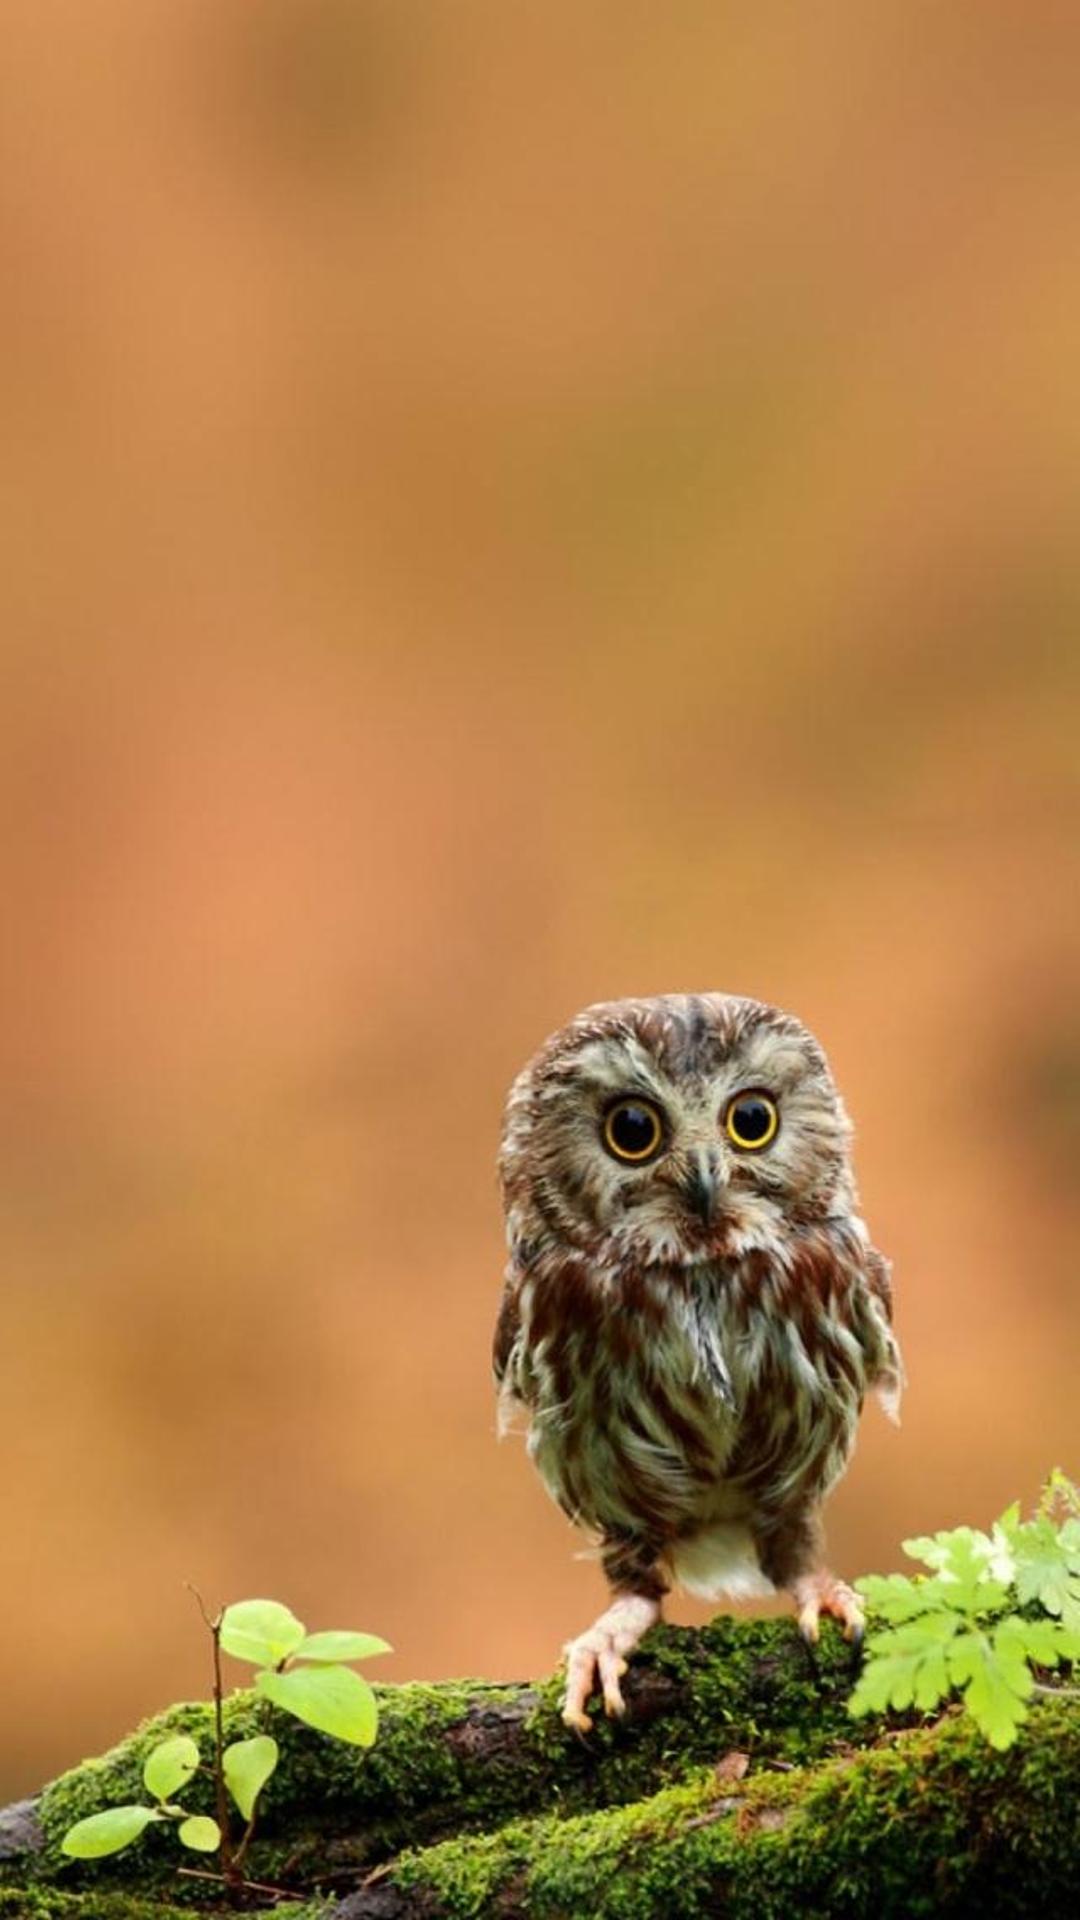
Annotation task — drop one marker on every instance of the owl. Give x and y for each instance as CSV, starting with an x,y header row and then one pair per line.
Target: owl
x,y
693,1312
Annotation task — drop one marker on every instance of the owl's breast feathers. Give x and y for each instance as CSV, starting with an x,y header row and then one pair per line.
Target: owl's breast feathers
x,y
653,1393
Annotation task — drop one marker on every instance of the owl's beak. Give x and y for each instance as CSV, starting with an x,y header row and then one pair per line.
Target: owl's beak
x,y
701,1188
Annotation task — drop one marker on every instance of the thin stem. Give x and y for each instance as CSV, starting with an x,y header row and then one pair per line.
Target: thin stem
x,y
245,1843
230,1869
251,1886
201,1604
231,1872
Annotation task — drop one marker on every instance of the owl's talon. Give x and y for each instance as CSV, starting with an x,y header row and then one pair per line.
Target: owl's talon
x,y
612,1668
809,1626
818,1593
598,1657
575,1720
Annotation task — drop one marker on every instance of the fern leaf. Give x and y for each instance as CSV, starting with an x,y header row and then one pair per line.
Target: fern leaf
x,y
896,1598
962,1560
1048,1568
906,1666
996,1681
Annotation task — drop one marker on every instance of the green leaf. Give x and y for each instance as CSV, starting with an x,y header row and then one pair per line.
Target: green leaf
x,y
333,1699
962,1560
1043,1641
103,1833
953,1628
996,1681
1048,1569
170,1765
1003,1534
1009,1521
260,1631
896,1598
200,1833
906,1666
952,1550
248,1765
332,1647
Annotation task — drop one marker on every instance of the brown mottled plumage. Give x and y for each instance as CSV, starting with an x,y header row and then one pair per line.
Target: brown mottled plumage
x,y
693,1311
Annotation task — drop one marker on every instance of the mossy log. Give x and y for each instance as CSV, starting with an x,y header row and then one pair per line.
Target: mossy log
x,y
737,1784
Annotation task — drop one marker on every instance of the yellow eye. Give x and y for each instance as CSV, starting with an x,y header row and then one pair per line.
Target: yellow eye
x,y
751,1121
633,1130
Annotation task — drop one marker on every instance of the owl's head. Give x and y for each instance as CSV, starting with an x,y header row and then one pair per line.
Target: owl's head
x,y
674,1129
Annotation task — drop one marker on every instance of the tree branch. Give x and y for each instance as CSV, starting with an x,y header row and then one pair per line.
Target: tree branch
x,y
476,1798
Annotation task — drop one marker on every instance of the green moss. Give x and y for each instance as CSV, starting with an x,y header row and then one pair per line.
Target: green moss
x,y
757,1680
436,1770
501,1811
48,1903
933,1823
751,1683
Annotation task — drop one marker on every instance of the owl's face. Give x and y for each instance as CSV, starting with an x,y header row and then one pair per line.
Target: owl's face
x,y
674,1130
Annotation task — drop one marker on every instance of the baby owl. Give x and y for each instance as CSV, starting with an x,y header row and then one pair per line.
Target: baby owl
x,y
693,1311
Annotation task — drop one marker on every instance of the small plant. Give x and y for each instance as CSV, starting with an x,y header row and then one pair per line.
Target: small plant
x,y
993,1607
304,1674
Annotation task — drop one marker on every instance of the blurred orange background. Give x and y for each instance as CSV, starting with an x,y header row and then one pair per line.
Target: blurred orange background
x,y
504,506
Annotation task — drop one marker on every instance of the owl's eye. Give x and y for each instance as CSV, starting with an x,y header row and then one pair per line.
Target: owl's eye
x,y
633,1130
751,1121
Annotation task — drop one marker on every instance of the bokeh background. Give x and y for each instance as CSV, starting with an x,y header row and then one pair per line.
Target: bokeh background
x,y
504,506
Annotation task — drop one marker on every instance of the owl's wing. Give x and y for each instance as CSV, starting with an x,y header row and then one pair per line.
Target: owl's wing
x,y
879,1280
506,1358
507,1328
883,1354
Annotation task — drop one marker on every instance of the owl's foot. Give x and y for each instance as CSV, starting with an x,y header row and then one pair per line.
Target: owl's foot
x,y
600,1654
818,1593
